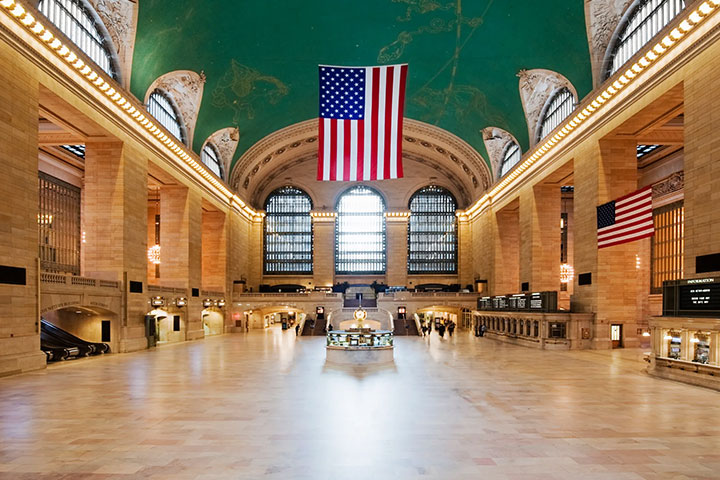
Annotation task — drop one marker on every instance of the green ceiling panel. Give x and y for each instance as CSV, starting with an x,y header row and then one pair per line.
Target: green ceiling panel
x,y
261,57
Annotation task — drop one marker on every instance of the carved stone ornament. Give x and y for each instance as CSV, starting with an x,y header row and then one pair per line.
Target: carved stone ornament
x,y
536,88
226,142
186,89
602,18
120,19
673,183
496,139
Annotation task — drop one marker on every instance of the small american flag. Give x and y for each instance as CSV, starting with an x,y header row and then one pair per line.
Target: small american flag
x,y
626,219
361,120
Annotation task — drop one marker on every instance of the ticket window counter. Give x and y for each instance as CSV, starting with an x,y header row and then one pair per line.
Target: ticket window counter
x,y
674,345
701,342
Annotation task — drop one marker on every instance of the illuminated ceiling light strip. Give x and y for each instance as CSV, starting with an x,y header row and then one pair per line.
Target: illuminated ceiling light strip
x,y
663,46
29,22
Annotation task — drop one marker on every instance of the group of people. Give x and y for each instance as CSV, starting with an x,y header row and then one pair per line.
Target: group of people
x,y
441,326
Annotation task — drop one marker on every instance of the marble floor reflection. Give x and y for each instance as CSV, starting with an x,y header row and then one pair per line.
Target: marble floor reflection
x,y
265,405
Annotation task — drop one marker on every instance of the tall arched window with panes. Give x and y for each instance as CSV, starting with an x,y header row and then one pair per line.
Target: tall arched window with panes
x,y
644,20
211,158
558,107
81,24
360,232
161,106
288,233
511,157
432,232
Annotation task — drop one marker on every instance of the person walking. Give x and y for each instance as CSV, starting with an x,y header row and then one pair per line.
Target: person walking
x,y
297,329
451,328
482,330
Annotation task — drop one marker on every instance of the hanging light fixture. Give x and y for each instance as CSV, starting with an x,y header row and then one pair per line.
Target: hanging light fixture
x,y
154,251
567,273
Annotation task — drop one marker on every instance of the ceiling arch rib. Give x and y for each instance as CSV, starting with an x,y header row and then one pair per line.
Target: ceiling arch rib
x,y
425,144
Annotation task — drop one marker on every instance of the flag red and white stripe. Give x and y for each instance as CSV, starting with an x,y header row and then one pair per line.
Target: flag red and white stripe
x,y
366,143
627,219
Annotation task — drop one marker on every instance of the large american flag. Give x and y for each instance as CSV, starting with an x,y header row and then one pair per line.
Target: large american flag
x,y
361,122
626,219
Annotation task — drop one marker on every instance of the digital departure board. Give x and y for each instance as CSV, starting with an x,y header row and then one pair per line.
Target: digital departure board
x,y
698,297
521,302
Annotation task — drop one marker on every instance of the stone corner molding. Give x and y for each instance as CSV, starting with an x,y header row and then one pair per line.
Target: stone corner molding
x,y
496,139
537,86
225,142
185,87
602,18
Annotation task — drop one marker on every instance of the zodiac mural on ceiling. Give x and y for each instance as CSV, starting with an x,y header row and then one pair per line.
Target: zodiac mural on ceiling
x,y
243,89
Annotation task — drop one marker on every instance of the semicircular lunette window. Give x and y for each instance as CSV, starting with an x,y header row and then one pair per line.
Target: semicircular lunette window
x,y
432,232
511,157
558,108
288,232
161,107
646,21
211,159
360,232
74,19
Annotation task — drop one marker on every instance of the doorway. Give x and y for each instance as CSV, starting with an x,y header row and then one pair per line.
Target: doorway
x,y
616,336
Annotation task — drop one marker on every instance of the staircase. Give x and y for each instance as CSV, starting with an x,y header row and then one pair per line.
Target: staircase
x,y
308,327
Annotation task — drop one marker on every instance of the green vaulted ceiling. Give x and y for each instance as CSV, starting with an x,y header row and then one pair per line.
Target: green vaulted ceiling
x,y
261,57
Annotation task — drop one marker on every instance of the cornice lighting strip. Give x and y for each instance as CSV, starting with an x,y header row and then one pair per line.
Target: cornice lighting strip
x,y
668,42
136,113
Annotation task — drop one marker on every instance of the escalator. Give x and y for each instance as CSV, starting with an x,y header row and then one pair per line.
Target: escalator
x,y
60,345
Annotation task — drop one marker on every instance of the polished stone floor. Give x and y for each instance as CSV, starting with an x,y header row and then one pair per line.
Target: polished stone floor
x,y
265,405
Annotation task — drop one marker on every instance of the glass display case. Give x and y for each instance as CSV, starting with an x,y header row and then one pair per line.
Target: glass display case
x,y
368,339
702,348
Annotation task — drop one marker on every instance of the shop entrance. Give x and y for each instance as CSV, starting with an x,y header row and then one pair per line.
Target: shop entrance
x,y
616,336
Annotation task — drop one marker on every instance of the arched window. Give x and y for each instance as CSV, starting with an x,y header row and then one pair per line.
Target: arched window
x,y
211,159
161,107
432,232
288,232
646,19
511,157
77,20
360,232
557,109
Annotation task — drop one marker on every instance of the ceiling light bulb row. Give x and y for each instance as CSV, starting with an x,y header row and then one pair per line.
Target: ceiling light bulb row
x,y
696,17
29,22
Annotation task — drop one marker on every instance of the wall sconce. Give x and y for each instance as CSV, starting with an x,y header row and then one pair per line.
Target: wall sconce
x,y
181,302
157,301
221,303
207,303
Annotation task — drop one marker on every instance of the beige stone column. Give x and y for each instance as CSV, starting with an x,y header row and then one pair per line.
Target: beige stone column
x,y
702,161
604,173
397,249
507,252
466,272
181,248
19,315
539,218
323,250
115,220
255,253
214,250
